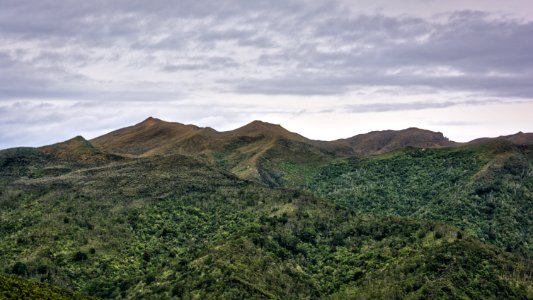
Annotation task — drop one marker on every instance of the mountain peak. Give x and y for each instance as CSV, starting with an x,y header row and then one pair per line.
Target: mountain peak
x,y
148,137
151,121
75,142
256,128
259,123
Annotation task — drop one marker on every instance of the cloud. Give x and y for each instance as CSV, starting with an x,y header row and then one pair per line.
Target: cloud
x,y
201,55
466,51
272,47
419,105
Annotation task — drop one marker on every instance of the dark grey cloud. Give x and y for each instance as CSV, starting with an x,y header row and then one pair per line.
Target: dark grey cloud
x,y
468,51
276,47
318,84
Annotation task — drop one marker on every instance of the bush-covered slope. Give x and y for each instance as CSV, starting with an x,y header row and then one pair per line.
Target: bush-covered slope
x,y
174,227
485,189
17,288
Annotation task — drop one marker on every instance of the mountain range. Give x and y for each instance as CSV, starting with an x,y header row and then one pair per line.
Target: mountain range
x,y
167,210
244,148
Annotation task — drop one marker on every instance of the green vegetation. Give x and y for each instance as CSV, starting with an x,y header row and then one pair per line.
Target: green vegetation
x,y
416,224
16,288
485,190
173,226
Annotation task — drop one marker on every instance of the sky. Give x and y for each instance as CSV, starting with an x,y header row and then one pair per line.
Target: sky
x,y
326,69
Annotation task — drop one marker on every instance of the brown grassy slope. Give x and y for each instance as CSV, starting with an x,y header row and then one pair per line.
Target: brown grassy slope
x,y
246,148
260,128
153,137
157,137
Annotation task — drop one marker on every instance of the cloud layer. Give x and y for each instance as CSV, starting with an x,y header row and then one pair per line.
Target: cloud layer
x,y
233,53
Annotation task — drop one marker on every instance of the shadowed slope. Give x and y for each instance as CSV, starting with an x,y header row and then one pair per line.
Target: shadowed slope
x,y
51,160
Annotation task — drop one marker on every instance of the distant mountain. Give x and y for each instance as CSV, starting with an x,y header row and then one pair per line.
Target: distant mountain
x,y
157,137
254,151
377,142
519,138
241,150
265,129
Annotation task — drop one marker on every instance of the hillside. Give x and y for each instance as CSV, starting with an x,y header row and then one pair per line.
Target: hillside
x,y
77,149
173,226
155,137
17,288
166,210
484,188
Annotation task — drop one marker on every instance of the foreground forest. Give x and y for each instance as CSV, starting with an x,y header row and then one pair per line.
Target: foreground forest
x,y
263,213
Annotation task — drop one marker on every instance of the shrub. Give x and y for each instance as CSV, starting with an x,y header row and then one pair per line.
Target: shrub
x,y
19,268
80,256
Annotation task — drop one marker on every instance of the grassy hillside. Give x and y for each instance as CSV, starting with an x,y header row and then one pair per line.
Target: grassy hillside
x,y
486,189
164,227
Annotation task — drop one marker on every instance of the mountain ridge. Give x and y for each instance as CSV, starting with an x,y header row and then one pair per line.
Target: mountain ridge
x,y
253,150
157,137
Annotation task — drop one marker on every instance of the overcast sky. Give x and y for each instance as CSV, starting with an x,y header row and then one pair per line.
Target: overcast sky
x,y
325,69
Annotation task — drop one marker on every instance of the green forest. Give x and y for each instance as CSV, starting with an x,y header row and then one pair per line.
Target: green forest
x,y
485,190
